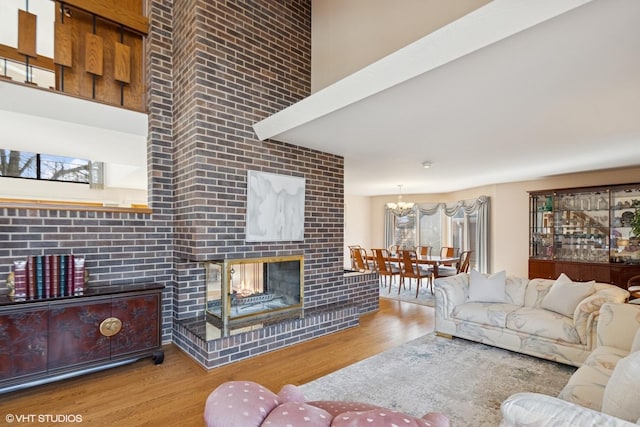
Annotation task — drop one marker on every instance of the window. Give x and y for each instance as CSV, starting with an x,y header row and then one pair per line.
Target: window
x,y
431,231
405,231
23,164
463,225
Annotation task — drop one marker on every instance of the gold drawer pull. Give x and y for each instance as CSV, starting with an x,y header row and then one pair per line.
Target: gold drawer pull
x,y
110,326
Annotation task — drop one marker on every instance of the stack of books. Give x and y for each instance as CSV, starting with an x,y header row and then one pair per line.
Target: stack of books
x,y
48,276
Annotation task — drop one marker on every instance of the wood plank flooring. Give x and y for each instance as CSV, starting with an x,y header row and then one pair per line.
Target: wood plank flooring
x,y
174,392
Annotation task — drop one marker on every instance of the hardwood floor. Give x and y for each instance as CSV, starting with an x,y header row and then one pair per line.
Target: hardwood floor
x,y
174,392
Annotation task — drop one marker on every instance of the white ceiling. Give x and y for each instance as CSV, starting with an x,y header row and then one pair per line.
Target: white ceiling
x,y
516,90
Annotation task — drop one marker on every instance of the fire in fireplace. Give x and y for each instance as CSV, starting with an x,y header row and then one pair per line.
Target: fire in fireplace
x,y
242,291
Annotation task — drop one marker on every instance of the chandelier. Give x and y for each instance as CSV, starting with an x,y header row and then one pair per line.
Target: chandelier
x,y
400,208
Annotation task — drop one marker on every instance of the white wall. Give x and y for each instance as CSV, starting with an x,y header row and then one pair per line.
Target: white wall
x,y
509,213
357,224
348,35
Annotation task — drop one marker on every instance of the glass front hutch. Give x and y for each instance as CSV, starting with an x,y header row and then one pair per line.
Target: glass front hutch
x,y
585,233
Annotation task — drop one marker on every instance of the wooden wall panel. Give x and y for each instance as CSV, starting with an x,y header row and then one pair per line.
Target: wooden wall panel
x,y
107,88
76,80
27,33
86,78
93,54
122,63
63,54
135,92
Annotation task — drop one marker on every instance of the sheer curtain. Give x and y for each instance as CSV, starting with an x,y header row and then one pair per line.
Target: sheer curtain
x,y
479,207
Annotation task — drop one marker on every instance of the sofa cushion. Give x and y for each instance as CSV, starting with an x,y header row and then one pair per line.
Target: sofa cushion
x,y
515,288
622,391
586,386
543,323
484,313
565,295
635,346
604,358
487,288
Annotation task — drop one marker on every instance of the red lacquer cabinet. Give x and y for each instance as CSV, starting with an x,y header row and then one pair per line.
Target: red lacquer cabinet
x,y
46,340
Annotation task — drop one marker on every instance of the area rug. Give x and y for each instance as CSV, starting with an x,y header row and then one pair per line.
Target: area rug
x,y
465,380
409,295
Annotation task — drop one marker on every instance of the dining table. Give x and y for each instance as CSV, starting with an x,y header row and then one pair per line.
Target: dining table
x,y
434,260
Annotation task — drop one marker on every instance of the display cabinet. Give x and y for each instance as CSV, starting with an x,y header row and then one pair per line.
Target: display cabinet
x,y
585,233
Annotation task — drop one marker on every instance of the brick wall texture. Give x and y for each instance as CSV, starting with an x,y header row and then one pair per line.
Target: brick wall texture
x,y
213,69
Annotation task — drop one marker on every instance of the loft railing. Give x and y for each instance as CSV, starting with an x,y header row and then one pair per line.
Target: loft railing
x,y
87,48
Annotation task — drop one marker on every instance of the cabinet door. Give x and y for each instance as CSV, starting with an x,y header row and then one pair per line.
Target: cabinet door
x,y
621,273
542,269
583,272
140,324
75,336
23,340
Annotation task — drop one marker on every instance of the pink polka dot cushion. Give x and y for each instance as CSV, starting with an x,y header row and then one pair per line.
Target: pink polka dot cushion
x,y
335,407
239,404
293,414
290,393
378,418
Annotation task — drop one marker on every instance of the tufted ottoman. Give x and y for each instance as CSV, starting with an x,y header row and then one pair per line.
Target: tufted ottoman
x,y
248,404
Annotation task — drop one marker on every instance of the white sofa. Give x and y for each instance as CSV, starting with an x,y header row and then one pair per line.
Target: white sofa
x,y
516,319
603,392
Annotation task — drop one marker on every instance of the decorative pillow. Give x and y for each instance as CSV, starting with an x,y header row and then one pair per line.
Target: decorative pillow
x,y
487,288
565,295
623,388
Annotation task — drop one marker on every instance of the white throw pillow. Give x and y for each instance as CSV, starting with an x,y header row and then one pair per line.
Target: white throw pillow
x,y
565,295
623,388
487,288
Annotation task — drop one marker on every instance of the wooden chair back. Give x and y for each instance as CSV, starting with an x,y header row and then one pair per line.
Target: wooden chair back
x,y
408,265
359,259
382,262
463,264
424,251
394,249
447,252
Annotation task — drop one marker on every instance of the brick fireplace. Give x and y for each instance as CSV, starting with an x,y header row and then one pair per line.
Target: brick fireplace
x,y
212,70
235,63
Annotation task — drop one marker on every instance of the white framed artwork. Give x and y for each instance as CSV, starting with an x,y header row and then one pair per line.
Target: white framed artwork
x,y
275,207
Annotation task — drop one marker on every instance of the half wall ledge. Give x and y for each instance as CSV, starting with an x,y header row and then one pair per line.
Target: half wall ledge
x,y
188,335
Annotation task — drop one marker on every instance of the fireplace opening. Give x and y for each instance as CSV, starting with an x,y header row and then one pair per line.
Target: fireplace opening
x,y
243,291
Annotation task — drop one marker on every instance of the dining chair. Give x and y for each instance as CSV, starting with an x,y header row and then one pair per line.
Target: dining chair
x,y
393,249
424,251
633,286
448,252
359,257
462,266
384,266
352,248
409,269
